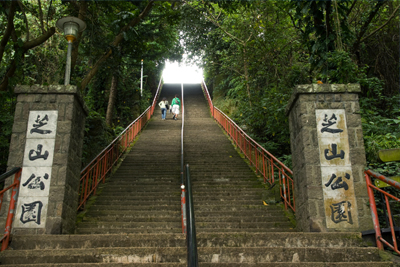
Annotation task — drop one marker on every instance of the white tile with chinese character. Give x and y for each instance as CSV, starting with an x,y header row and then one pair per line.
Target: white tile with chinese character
x,y
31,212
331,123
35,181
42,124
339,197
334,151
341,214
39,153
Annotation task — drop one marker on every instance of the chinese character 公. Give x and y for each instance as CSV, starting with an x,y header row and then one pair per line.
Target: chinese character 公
x,y
338,183
33,183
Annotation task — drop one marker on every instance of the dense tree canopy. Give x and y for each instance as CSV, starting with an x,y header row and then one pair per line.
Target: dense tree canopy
x,y
106,58
253,53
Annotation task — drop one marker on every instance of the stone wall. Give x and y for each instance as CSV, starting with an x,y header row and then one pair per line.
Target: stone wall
x,y
65,170
310,185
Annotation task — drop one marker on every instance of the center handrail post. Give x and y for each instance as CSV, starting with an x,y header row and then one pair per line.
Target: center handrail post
x,y
183,196
191,235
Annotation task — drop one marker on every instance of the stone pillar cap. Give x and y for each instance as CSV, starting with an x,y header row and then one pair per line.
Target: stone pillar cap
x,y
321,89
52,89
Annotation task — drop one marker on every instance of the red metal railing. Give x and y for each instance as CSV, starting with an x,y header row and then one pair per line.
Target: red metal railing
x,y
263,161
380,241
13,200
97,170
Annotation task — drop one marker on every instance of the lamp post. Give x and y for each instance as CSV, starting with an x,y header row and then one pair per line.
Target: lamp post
x,y
71,26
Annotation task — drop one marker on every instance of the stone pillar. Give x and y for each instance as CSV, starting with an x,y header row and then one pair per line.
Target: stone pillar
x,y
46,142
328,158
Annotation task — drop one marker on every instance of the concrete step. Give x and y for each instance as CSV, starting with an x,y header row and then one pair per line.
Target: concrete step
x,y
226,202
301,264
281,254
128,187
137,214
97,255
155,197
143,187
254,208
128,218
252,255
280,239
130,224
214,252
241,219
239,213
123,262
250,226
129,201
134,208
96,231
96,241
243,230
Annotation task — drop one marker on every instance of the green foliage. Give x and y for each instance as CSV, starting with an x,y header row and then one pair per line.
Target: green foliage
x,y
291,42
97,137
154,39
380,120
7,107
323,27
341,68
252,52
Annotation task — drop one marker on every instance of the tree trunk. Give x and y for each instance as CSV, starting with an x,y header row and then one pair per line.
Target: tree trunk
x,y
364,28
246,73
328,11
115,43
9,29
111,100
20,55
75,45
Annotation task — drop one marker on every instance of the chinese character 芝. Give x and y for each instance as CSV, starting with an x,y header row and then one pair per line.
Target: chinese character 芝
x,y
339,183
35,182
39,123
334,153
341,212
38,153
31,212
329,123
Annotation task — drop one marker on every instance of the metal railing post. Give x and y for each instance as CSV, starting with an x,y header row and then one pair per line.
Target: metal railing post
x,y
11,210
183,197
191,236
374,212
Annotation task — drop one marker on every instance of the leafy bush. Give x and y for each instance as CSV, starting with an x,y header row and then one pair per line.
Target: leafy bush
x,y
97,136
7,107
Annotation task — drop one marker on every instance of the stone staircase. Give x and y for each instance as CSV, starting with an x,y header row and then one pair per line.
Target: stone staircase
x,y
233,226
135,219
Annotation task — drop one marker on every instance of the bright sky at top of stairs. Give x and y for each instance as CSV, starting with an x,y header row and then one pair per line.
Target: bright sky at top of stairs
x,y
181,73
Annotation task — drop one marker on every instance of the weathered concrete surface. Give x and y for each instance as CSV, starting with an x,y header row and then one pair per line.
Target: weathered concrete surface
x,y
140,205
311,212
65,171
